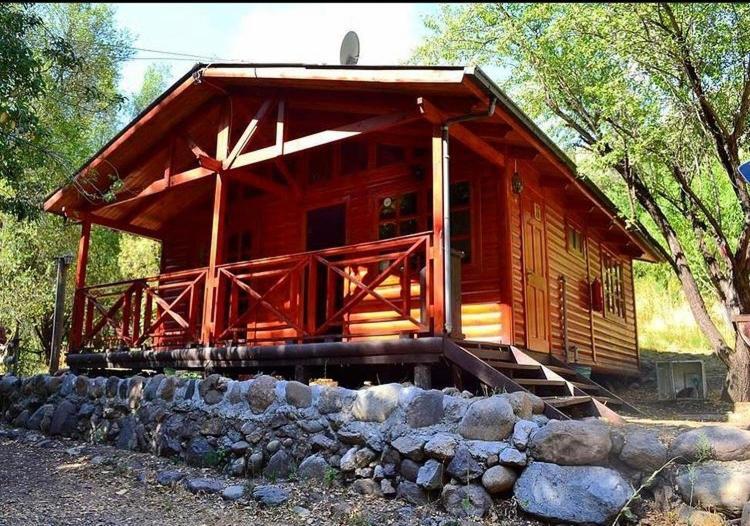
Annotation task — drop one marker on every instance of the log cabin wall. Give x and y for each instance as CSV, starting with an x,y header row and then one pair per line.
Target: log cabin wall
x,y
260,225
604,339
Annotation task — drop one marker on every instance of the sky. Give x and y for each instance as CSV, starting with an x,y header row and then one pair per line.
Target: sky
x,y
309,33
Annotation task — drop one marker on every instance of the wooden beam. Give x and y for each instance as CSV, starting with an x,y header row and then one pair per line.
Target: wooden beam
x,y
461,133
347,131
247,134
215,257
161,185
76,330
204,159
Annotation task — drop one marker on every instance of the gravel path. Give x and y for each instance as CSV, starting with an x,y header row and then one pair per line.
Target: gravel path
x,y
62,482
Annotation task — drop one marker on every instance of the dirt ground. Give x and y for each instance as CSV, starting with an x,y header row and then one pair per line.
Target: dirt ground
x,y
62,482
642,393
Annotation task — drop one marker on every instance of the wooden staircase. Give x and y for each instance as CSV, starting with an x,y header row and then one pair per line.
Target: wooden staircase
x,y
566,393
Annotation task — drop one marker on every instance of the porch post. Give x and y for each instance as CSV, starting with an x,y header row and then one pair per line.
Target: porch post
x,y
211,311
438,238
215,258
76,328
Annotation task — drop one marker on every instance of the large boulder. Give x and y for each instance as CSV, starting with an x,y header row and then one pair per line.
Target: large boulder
x,y
411,493
571,443
441,446
430,476
410,446
488,419
425,409
64,419
717,486
261,393
499,479
576,494
313,467
279,465
464,467
376,404
204,485
270,495
470,500
643,450
712,443
200,453
298,394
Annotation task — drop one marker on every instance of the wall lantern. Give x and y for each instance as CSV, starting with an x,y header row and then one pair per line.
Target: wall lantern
x,y
516,183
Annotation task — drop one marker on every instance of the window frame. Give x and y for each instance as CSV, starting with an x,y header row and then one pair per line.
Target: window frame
x,y
420,214
612,270
570,226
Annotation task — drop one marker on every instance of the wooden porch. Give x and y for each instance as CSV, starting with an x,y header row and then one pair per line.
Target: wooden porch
x,y
367,291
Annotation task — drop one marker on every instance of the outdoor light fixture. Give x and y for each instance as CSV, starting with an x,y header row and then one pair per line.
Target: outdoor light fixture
x,y
516,183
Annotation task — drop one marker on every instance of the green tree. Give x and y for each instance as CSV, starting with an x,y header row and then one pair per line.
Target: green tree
x,y
652,99
73,110
155,82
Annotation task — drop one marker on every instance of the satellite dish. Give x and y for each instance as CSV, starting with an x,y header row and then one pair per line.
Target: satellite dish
x,y
349,54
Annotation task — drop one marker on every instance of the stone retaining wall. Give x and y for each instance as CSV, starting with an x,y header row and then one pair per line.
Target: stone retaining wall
x,y
392,440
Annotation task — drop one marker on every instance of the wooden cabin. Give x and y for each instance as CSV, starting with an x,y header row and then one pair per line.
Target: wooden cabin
x,y
325,214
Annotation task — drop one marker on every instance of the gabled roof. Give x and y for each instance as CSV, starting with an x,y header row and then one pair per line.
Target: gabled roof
x,y
202,81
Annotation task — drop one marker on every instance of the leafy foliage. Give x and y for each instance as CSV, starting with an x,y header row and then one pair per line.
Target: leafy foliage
x,y
653,102
59,83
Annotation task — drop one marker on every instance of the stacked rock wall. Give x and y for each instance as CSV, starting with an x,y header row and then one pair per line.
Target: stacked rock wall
x,y
389,440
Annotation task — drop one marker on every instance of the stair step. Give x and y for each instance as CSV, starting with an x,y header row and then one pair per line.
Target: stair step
x,y
586,386
502,364
539,381
566,401
562,371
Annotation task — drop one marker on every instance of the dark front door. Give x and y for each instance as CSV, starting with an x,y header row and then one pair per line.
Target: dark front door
x,y
326,228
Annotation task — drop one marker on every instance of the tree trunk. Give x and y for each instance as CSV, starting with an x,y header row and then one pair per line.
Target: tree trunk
x,y
737,386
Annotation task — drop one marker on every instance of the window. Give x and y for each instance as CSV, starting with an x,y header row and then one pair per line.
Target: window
x,y
398,215
575,241
614,291
460,196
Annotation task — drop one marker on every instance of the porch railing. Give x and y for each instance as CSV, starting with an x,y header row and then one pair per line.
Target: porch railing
x,y
364,291
367,290
160,311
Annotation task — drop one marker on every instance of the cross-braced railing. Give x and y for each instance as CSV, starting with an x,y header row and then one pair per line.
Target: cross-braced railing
x,y
159,311
357,291
368,290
